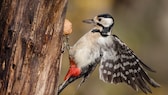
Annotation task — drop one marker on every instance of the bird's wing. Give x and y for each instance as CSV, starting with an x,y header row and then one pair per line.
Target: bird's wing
x,y
120,64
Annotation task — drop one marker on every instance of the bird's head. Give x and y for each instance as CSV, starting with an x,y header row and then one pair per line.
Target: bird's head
x,y
103,22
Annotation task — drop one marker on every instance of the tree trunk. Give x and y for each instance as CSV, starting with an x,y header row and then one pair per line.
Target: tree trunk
x,y
30,46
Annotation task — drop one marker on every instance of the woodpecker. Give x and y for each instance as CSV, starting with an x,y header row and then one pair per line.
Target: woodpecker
x,y
117,62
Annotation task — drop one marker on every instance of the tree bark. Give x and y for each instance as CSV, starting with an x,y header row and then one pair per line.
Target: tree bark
x,y
30,46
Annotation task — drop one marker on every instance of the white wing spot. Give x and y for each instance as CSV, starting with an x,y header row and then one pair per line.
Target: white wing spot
x,y
123,56
132,56
122,67
104,71
116,66
127,57
134,63
110,65
128,81
118,74
109,73
139,69
126,63
128,50
126,72
107,64
137,60
130,70
135,71
114,75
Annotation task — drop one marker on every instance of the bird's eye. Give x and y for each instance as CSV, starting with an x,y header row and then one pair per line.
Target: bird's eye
x,y
99,19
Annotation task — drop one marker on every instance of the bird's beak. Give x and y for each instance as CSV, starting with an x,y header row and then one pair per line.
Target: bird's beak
x,y
89,21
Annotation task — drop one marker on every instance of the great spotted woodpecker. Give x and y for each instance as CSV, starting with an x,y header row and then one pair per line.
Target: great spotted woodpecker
x,y
118,63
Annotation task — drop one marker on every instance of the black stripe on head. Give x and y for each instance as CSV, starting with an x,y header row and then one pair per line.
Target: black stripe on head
x,y
100,25
104,31
95,30
105,27
105,15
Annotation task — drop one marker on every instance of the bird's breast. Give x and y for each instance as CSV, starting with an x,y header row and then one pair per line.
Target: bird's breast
x,y
85,50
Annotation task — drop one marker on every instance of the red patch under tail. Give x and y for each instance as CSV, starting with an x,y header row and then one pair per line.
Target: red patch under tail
x,y
73,70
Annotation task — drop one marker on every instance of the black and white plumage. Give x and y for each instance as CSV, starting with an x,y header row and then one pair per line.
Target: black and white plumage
x,y
118,63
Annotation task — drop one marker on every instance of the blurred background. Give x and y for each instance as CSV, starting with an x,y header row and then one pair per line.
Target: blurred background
x,y
141,24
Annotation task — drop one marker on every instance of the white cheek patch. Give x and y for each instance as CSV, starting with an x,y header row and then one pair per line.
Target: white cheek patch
x,y
107,22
